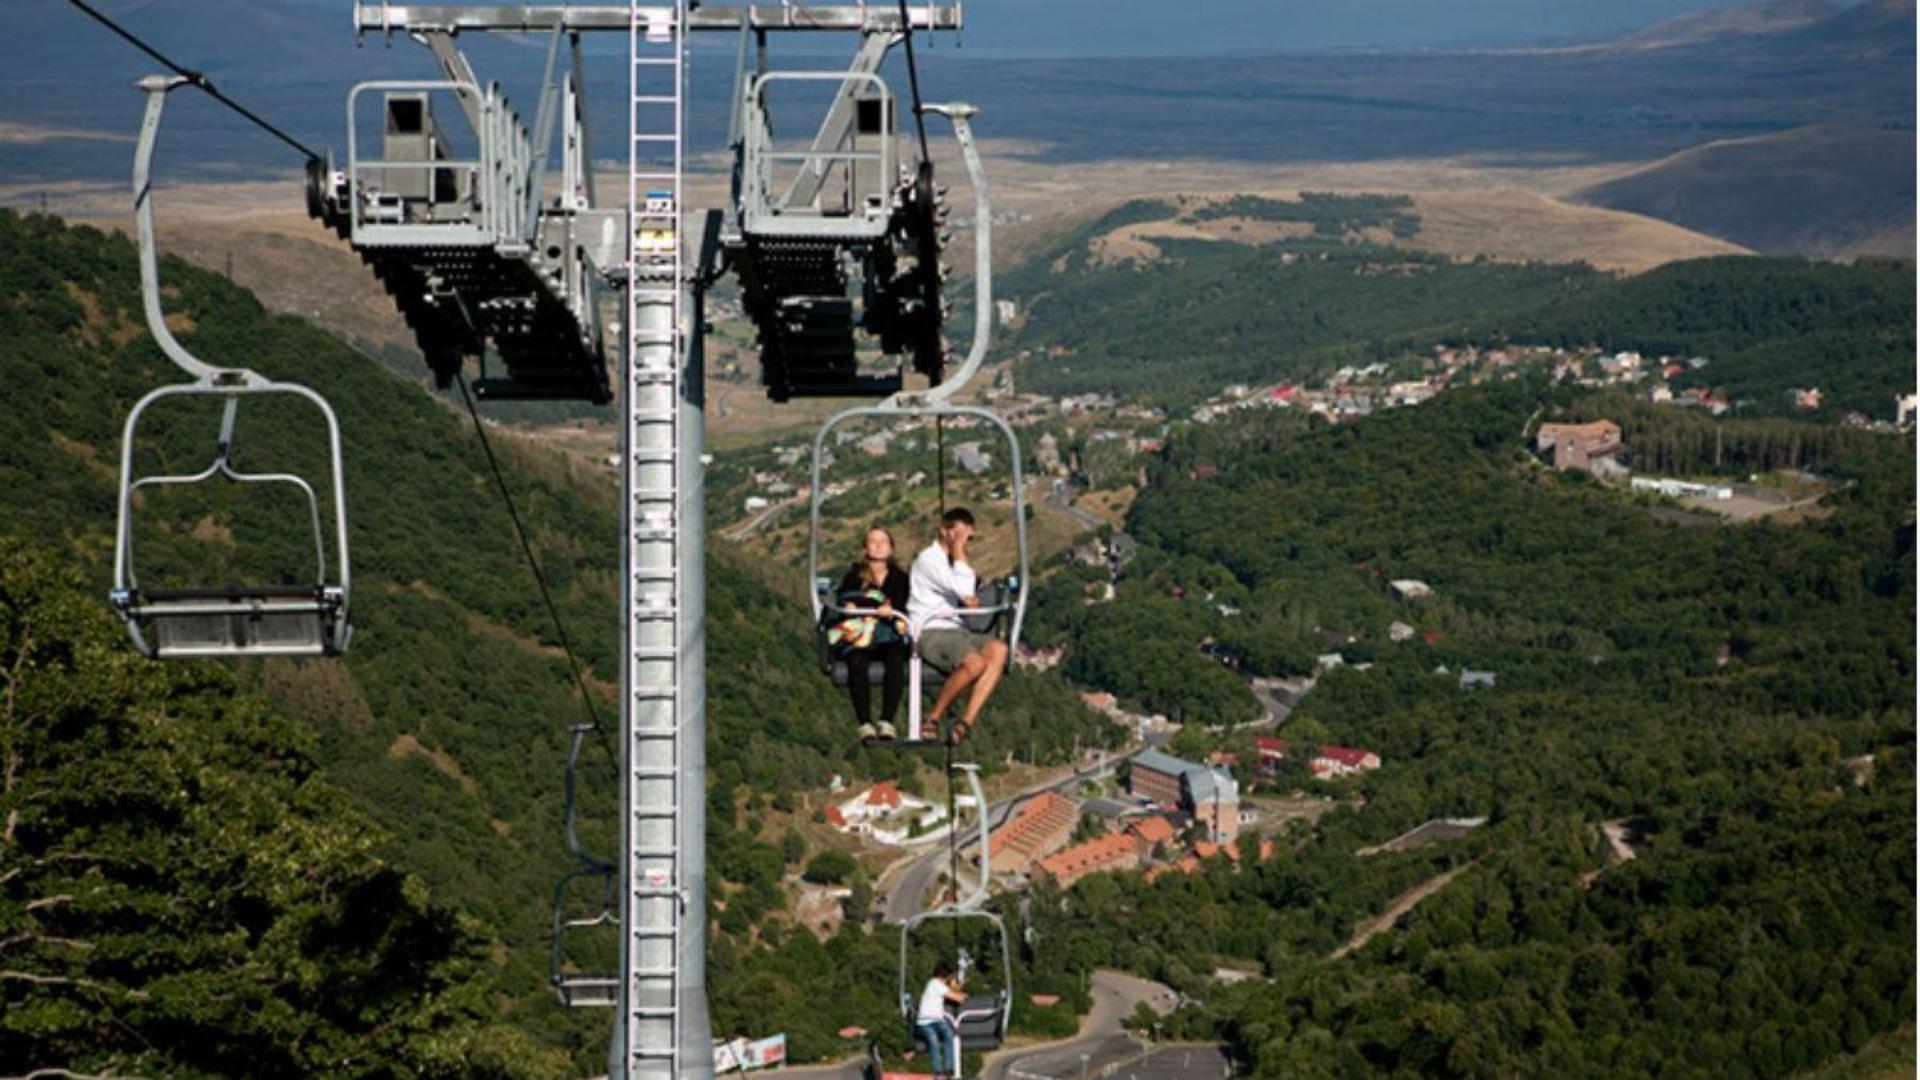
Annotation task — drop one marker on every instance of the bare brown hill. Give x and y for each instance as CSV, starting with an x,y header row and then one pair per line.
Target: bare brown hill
x,y
1819,190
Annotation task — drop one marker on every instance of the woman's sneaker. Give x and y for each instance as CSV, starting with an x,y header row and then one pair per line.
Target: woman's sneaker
x,y
867,735
887,734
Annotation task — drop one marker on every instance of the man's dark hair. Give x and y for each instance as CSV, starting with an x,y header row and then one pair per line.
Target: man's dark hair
x,y
943,969
959,515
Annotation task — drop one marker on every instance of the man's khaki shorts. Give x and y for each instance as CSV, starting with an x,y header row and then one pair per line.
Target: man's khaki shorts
x,y
946,648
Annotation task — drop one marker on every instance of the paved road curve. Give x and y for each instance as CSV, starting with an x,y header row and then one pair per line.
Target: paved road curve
x,y
1101,1041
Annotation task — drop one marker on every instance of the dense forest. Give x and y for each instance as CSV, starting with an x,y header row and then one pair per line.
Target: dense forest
x,y
1741,696
1299,308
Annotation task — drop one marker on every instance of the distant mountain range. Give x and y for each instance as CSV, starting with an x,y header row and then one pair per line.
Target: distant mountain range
x,y
1771,17
1698,81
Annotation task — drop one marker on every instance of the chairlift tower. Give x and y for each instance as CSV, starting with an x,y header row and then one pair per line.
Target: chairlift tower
x,y
485,265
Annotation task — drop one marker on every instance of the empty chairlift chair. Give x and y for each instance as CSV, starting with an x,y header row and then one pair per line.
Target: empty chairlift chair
x,y
224,620
578,988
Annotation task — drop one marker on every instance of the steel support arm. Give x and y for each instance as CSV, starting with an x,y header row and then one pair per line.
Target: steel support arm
x,y
838,125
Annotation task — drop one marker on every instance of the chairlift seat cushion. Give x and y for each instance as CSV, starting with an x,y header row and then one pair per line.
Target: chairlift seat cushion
x,y
237,592
275,620
588,991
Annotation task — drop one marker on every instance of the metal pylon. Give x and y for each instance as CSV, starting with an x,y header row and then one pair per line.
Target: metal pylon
x,y
661,1031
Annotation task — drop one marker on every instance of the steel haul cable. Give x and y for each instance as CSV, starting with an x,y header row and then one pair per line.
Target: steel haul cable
x,y
553,610
195,78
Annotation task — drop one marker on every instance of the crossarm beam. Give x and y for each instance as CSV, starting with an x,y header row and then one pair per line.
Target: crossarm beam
x,y
876,15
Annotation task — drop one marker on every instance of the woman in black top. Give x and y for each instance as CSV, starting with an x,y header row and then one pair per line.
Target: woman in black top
x,y
878,583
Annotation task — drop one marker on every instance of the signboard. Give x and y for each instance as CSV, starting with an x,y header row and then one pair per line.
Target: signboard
x,y
769,1051
739,1055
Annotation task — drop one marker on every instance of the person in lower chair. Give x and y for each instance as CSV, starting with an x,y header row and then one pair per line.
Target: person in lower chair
x,y
944,584
931,1022
874,583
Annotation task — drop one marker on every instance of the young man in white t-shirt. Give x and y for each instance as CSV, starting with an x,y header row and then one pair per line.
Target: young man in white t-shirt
x,y
931,1019
943,584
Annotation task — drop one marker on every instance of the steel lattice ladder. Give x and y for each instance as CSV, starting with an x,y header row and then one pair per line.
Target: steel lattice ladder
x,y
654,880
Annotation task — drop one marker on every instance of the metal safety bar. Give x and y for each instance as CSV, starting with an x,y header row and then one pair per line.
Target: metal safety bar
x,y
499,198
761,213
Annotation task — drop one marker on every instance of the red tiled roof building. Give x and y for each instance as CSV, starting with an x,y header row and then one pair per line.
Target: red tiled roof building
x,y
1042,824
1115,851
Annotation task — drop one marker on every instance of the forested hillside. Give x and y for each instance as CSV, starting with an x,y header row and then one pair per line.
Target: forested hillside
x,y
1204,313
1740,697
445,727
184,893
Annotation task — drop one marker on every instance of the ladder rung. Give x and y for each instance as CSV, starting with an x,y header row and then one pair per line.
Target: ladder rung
x,y
655,99
655,573
654,457
654,735
655,972
654,376
657,296
656,892
658,813
654,1012
656,61
655,493
655,853
655,1052
653,772
653,693
651,138
655,177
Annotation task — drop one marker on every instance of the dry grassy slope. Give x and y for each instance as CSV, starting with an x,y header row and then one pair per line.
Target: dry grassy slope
x,y
1522,225
1499,223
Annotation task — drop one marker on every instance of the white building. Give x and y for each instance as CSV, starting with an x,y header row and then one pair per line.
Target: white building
x,y
1409,589
1682,489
